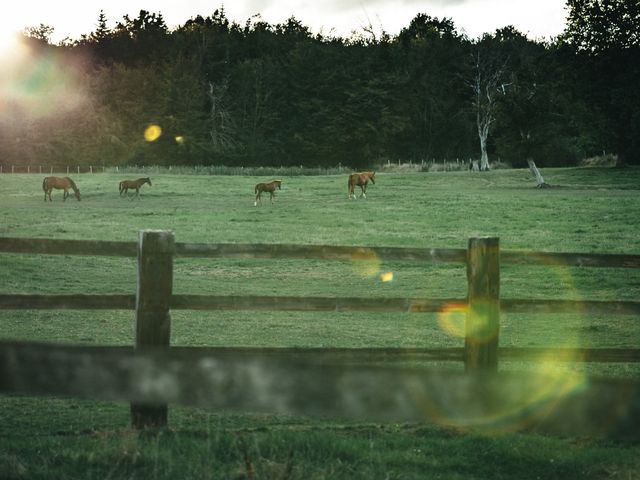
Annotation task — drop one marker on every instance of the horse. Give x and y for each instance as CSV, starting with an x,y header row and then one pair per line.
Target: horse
x,y
125,185
266,187
61,183
361,179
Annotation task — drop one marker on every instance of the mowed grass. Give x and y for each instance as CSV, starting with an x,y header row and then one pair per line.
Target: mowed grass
x,y
592,210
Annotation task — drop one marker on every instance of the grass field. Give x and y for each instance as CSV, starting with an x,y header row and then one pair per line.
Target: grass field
x,y
591,210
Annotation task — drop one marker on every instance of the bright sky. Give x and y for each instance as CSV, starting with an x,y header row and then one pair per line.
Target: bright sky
x,y
71,18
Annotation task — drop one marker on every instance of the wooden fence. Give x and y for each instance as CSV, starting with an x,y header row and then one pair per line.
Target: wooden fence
x,y
335,382
51,169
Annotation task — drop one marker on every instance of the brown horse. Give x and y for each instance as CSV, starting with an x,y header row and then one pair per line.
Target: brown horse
x,y
266,187
125,185
61,183
361,179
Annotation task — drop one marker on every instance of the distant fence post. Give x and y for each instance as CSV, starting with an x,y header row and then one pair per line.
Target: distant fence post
x,y
153,319
483,316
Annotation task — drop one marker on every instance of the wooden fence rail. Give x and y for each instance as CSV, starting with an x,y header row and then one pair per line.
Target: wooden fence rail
x,y
316,252
310,304
154,300
319,383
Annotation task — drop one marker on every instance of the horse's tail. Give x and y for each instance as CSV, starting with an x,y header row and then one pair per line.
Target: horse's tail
x,y
255,190
44,183
120,187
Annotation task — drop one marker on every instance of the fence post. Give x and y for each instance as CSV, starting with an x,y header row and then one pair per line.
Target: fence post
x,y
153,319
483,316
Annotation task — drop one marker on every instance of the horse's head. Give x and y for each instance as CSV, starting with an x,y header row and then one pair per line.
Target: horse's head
x,y
372,177
77,192
279,183
148,181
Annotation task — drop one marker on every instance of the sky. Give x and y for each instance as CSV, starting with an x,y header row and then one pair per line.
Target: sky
x,y
539,19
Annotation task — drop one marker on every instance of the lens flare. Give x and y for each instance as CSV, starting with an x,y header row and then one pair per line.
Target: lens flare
x,y
452,319
386,277
152,133
521,403
365,262
38,85
180,140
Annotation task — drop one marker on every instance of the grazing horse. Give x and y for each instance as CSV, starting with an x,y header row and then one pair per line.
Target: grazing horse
x,y
125,185
266,187
361,179
61,183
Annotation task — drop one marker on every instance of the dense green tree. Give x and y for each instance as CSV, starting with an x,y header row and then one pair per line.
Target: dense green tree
x,y
258,93
432,61
606,37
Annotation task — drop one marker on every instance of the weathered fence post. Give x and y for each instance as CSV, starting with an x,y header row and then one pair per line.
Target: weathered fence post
x,y
483,316
153,319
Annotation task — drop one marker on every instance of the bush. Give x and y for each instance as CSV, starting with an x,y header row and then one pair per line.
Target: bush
x,y
606,160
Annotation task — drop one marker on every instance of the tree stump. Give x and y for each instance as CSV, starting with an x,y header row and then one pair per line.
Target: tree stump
x,y
539,180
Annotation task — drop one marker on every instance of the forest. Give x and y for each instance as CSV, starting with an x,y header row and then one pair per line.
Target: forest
x,y
215,92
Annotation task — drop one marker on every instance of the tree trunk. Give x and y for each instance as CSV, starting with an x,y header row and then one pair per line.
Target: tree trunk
x,y
539,180
483,133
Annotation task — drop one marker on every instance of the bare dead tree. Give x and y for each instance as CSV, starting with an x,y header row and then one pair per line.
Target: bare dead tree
x,y
487,86
221,125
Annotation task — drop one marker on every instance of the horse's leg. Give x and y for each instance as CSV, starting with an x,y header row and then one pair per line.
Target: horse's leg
x,y
271,196
65,195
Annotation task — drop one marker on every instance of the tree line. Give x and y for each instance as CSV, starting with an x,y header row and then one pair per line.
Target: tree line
x,y
220,93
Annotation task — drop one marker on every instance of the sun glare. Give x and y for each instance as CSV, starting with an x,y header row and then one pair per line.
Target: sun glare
x,y
10,45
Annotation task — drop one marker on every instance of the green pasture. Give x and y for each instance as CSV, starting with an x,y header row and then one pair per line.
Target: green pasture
x,y
589,210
